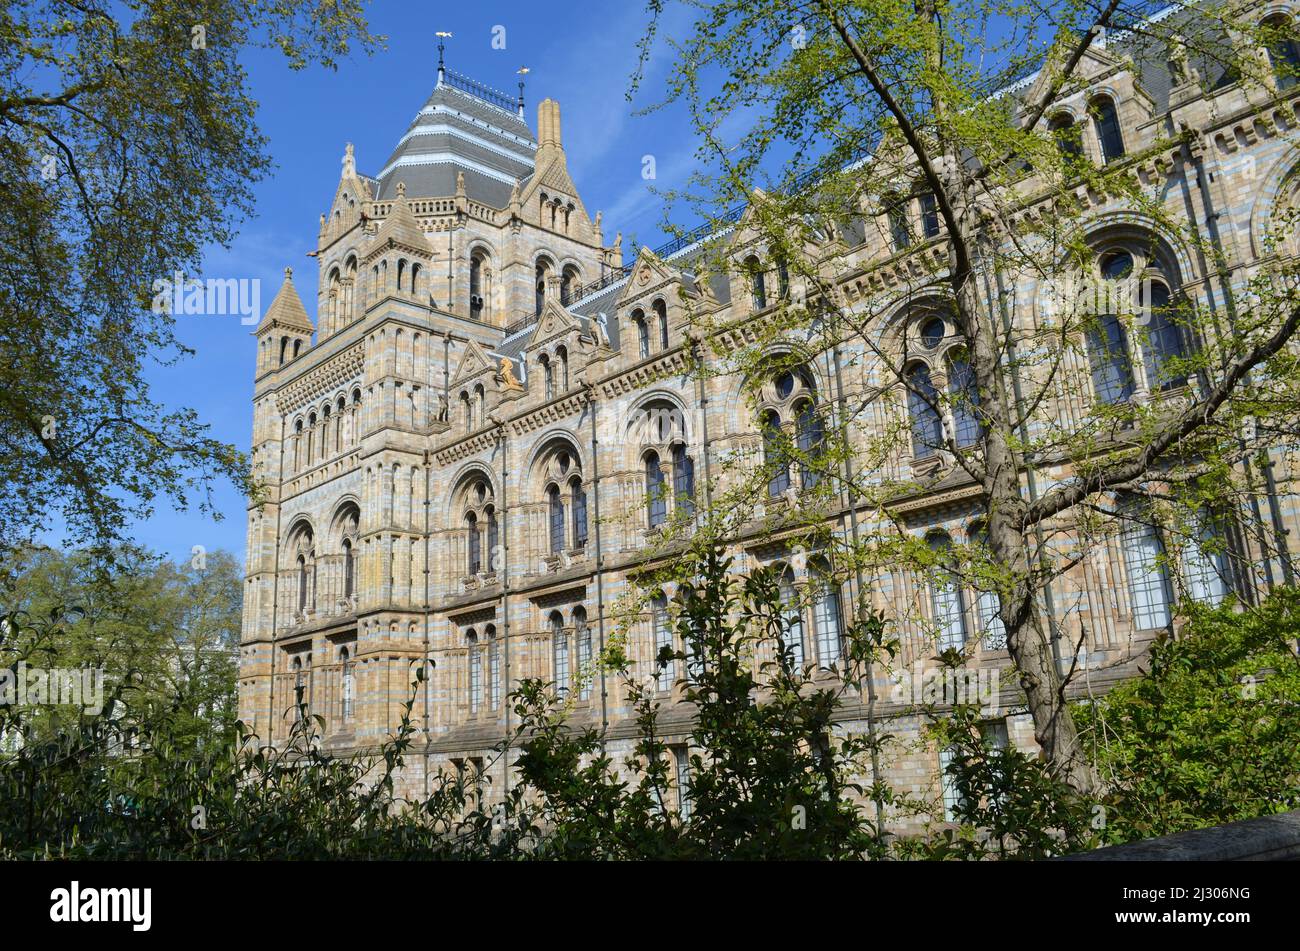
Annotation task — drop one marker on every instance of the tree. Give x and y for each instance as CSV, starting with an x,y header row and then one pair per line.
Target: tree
x,y
127,145
165,635
921,197
1209,733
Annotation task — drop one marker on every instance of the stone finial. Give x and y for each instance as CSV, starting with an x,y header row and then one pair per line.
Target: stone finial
x,y
401,189
349,160
460,183
288,274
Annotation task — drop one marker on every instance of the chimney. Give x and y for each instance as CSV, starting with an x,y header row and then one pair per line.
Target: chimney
x,y
548,123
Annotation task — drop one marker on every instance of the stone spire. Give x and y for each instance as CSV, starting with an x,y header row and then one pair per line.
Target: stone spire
x,y
286,310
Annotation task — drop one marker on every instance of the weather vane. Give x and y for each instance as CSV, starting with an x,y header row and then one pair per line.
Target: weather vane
x,y
522,71
443,36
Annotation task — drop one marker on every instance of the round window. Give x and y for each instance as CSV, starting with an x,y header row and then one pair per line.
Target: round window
x,y
1117,265
933,332
784,385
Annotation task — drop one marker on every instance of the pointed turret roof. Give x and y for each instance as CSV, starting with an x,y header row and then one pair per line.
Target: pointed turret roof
x,y
401,226
286,310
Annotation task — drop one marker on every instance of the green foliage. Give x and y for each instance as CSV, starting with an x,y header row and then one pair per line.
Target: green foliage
x,y
1210,733
128,145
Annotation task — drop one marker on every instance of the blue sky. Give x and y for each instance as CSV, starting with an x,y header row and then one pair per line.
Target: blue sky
x,y
583,58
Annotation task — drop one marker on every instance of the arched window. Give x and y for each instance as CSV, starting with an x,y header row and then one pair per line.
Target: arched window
x,y
299,689
556,506
474,544
493,540
792,619
923,408
284,348
578,495
302,583
560,648
297,347
494,666
466,411
582,631
782,278
663,638
1162,344
347,683
562,355
986,602
1283,51
661,316
1065,131
1148,584
568,283
1109,136
656,502
812,432
476,286
757,282
475,671
401,272
548,377
543,272
1204,565
929,215
642,333
826,615
1112,371
965,400
349,569
684,480
900,229
774,455
946,599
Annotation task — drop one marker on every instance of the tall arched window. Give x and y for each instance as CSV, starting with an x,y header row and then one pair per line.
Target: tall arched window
x,y
774,455
994,632
568,284
555,505
661,318
642,333
476,286
1109,136
656,502
474,543
560,649
562,356
543,272
946,599
757,282
349,569
1112,371
826,615
811,433
494,666
1283,51
782,279
475,671
792,618
929,215
582,631
684,480
578,497
900,228
302,583
548,377
1205,566
347,684
663,638
299,689
1162,343
965,400
923,408
493,539
1065,131
1148,582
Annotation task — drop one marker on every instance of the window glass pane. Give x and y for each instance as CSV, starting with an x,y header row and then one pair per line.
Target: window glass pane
x,y
1148,586
922,402
792,636
1112,375
663,637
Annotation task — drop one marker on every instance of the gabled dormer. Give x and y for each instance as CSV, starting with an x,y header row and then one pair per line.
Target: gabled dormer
x,y
397,259
352,198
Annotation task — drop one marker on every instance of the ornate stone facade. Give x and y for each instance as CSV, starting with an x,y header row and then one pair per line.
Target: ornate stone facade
x,y
457,454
